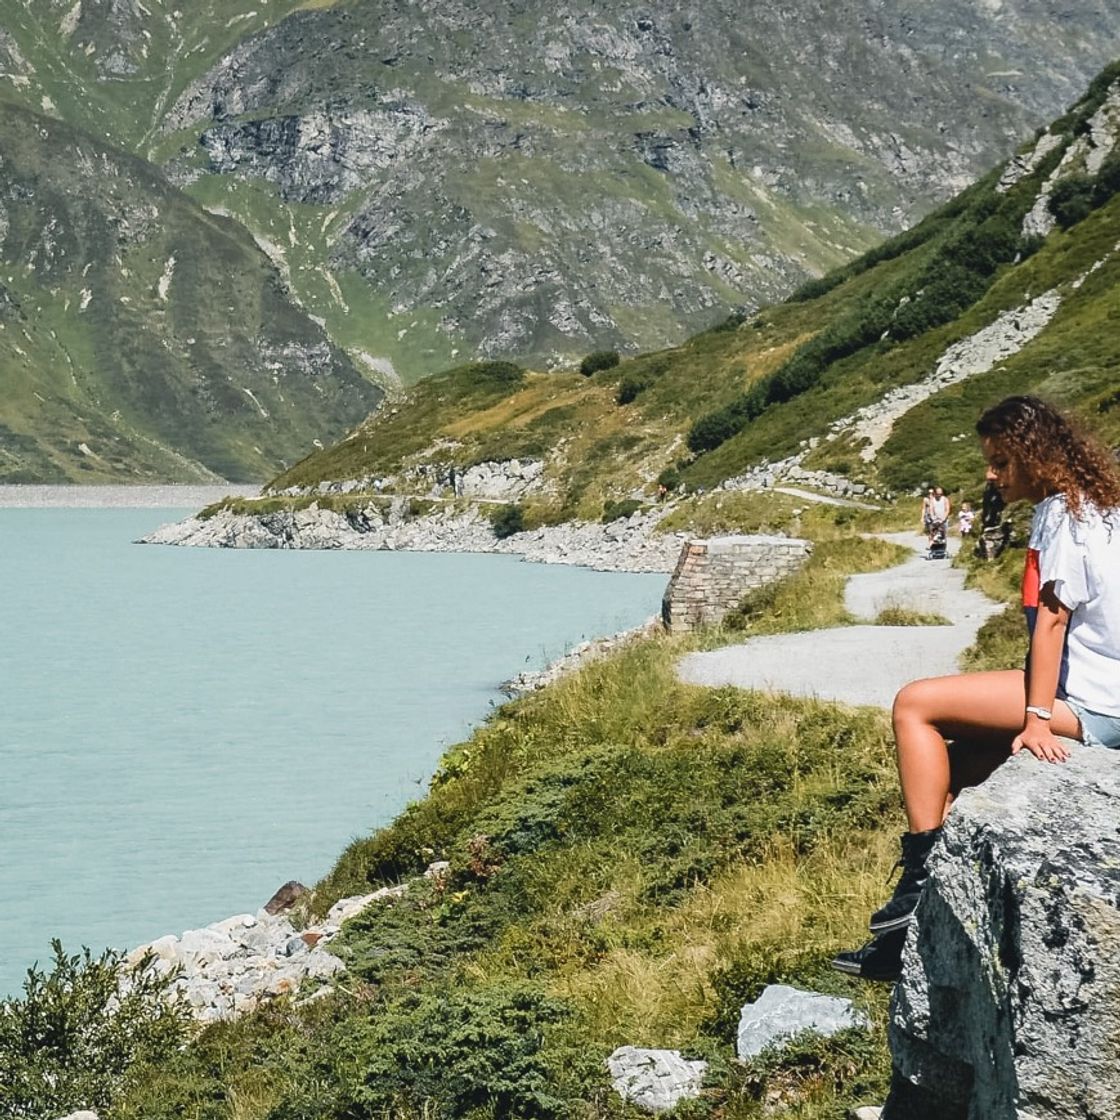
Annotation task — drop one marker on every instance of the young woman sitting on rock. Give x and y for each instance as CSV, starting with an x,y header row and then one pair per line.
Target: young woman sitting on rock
x,y
1070,688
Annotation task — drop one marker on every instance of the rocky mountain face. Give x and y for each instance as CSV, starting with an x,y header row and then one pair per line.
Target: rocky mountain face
x,y
542,179
142,337
438,180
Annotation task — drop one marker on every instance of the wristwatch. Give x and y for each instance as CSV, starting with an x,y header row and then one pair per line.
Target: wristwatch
x,y
1042,713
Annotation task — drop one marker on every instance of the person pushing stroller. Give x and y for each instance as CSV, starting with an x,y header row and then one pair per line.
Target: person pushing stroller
x,y
939,509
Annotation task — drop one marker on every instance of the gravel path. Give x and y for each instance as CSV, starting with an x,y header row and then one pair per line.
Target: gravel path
x,y
862,664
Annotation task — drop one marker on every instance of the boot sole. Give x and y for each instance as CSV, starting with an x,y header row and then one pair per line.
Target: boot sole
x,y
891,923
850,968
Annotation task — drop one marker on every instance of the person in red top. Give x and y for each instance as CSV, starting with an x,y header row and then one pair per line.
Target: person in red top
x,y
1070,688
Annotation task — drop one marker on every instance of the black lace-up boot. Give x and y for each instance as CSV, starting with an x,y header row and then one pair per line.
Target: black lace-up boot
x,y
896,914
880,959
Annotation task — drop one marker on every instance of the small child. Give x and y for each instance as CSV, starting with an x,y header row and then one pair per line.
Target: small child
x,y
965,517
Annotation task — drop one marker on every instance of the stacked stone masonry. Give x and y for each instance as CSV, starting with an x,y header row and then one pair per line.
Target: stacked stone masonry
x,y
712,576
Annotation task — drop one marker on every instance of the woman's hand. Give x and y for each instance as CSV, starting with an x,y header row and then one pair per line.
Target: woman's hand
x,y
1037,738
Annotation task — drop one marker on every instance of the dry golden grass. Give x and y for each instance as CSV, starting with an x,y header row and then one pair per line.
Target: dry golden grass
x,y
815,902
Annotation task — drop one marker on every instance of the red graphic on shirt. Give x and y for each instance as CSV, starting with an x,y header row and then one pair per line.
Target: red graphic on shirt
x,y
1031,579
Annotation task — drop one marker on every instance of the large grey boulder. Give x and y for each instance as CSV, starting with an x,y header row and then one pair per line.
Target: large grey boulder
x,y
655,1080
1009,1002
782,1013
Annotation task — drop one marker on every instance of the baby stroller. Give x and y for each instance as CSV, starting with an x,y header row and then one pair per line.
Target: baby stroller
x,y
938,541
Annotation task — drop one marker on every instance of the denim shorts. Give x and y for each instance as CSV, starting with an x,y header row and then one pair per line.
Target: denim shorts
x,y
1097,730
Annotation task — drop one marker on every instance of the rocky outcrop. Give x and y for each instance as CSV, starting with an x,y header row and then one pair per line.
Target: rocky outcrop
x,y
655,1080
627,545
1085,155
869,427
1007,1008
540,177
230,967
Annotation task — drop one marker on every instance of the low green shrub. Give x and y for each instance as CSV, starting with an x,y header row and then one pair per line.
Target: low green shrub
x,y
598,360
1072,200
670,478
615,511
508,520
75,1036
630,387
458,1053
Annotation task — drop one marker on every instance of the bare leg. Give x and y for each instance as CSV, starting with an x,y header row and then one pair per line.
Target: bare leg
x,y
973,706
972,761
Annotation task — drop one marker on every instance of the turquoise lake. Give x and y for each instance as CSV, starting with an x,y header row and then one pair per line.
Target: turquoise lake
x,y
183,730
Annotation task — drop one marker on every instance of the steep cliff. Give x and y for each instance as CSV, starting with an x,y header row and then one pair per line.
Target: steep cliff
x,y
533,181
438,180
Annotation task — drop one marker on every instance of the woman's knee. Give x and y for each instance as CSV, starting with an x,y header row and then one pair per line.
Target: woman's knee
x,y
911,702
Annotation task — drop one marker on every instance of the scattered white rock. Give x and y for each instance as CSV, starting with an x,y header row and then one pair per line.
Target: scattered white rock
x,y
655,1080
781,1013
346,908
230,967
576,657
85,1114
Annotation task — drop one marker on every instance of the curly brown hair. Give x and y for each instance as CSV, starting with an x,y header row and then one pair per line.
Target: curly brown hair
x,y
1053,453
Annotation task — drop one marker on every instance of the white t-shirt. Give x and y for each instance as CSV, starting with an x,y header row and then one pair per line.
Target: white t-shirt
x,y
1081,557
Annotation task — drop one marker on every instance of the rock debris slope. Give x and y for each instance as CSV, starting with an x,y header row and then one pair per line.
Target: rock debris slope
x,y
539,179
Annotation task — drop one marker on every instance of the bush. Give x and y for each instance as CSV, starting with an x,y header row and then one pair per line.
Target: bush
x,y
1072,200
69,1043
508,520
733,321
629,388
598,360
474,1052
670,478
614,511
493,373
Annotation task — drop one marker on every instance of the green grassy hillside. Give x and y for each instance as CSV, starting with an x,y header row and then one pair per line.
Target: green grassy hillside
x,y
141,337
760,387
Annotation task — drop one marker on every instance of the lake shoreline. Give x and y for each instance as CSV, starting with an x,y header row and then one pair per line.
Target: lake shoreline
x,y
629,544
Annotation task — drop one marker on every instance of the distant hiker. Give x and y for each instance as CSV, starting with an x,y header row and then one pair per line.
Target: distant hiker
x,y
1071,684
994,534
991,506
965,518
927,501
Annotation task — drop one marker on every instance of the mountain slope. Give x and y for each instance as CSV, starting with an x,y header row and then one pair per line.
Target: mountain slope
x,y
140,336
873,375
534,181
438,180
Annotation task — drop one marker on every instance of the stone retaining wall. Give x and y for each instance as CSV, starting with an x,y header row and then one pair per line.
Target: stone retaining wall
x,y
712,576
